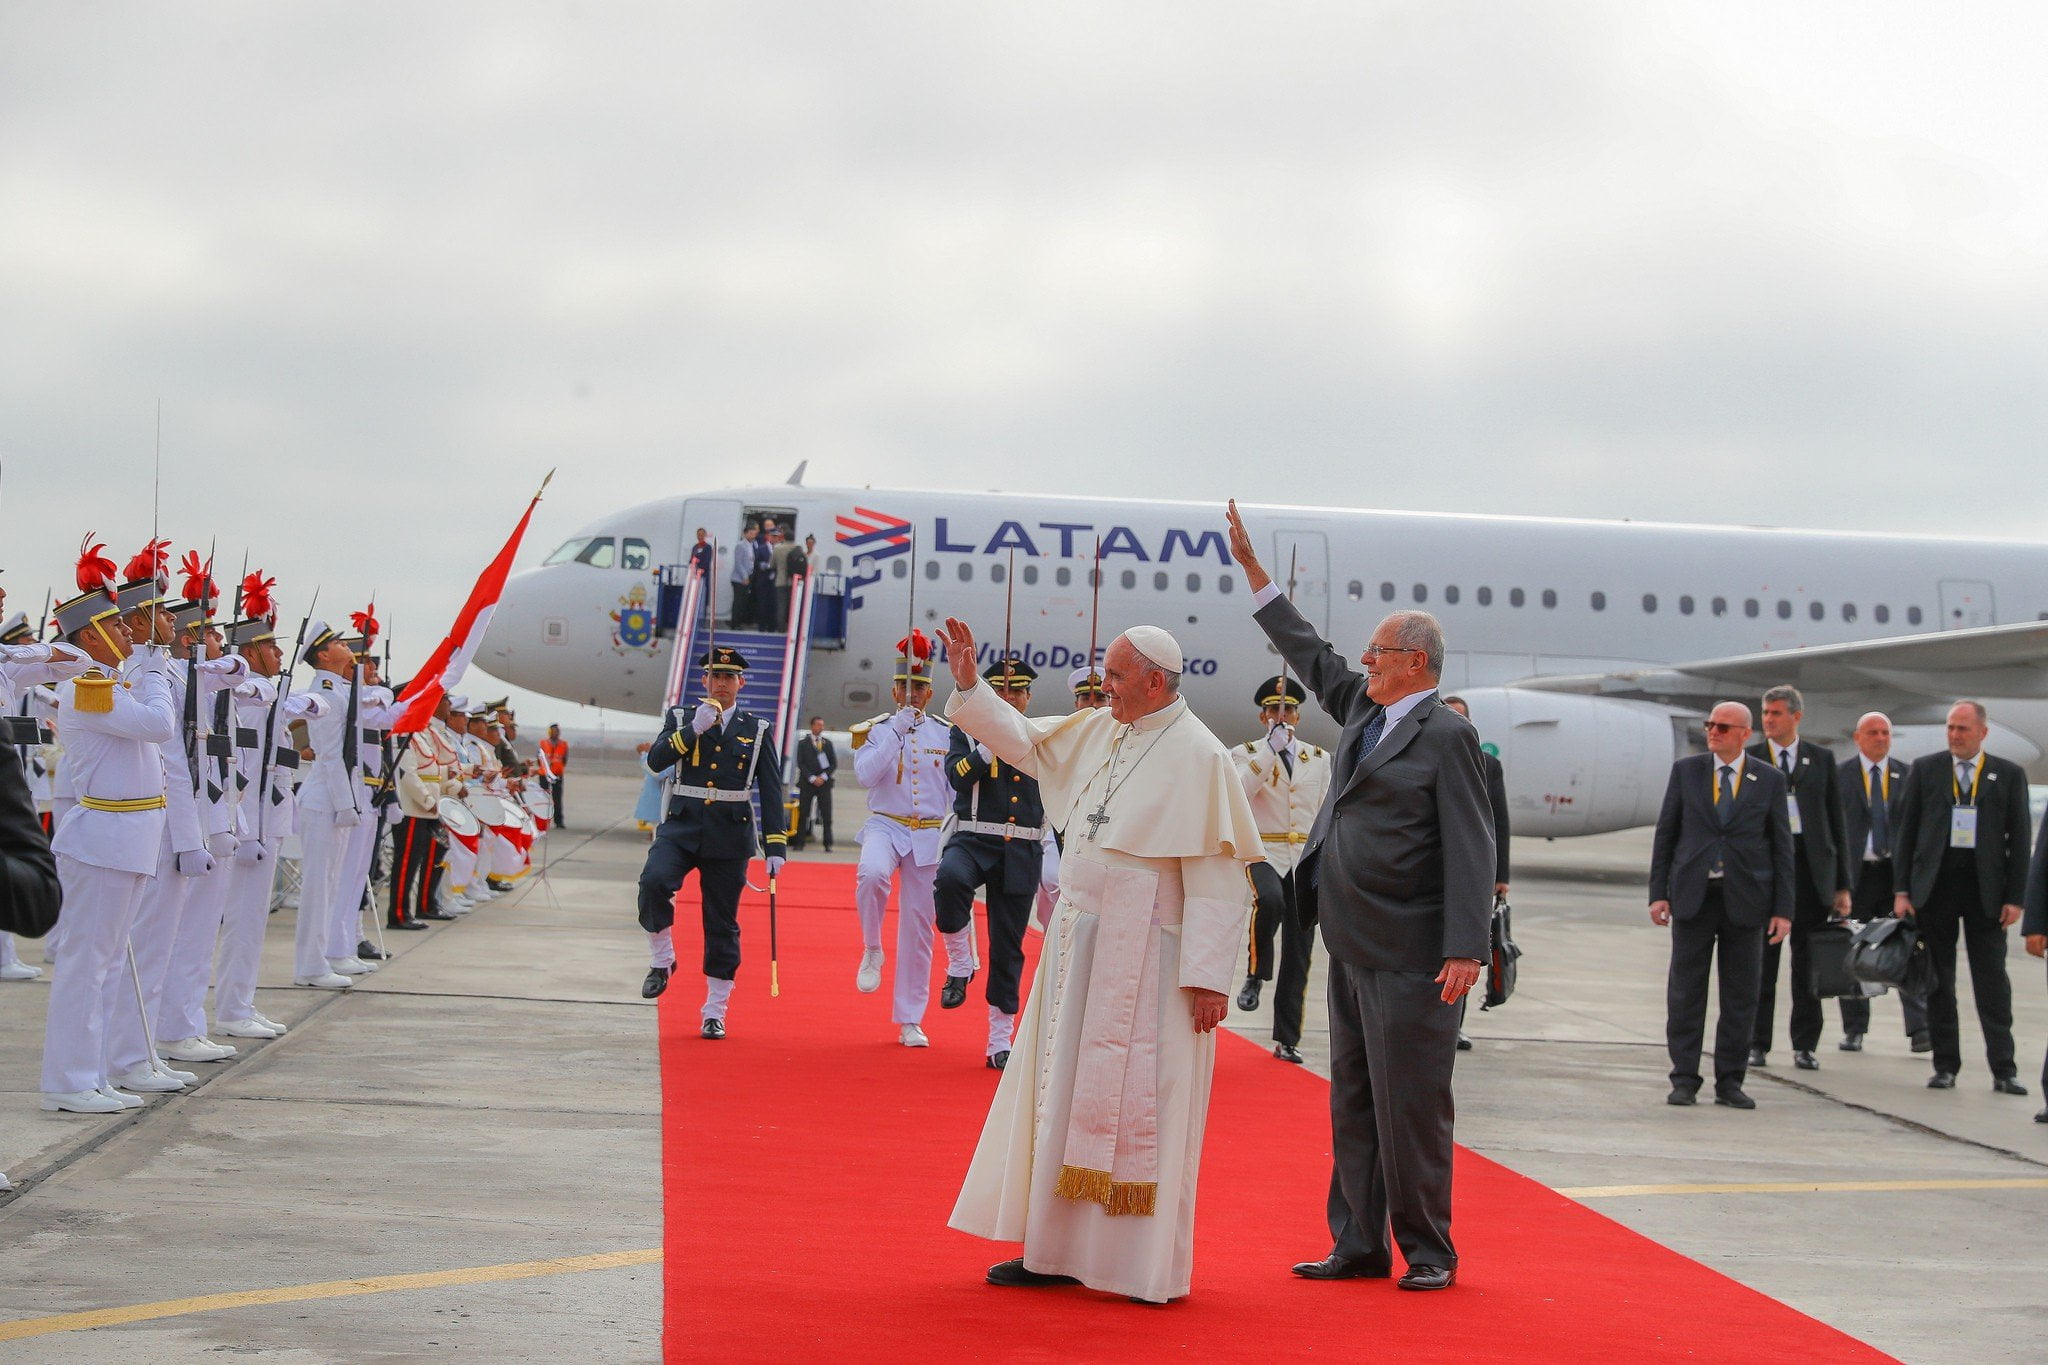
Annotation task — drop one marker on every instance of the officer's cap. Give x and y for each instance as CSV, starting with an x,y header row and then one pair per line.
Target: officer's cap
x,y
1280,690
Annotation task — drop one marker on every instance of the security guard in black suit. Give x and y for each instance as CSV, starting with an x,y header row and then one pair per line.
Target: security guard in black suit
x,y
1873,792
718,758
997,843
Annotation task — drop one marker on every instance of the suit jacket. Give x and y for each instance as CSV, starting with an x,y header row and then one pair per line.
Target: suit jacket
x,y
1753,843
2003,824
1827,864
1497,800
29,893
1399,863
720,759
810,756
2035,921
1856,809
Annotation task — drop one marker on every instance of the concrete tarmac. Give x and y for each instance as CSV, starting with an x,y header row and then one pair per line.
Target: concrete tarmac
x,y
491,1098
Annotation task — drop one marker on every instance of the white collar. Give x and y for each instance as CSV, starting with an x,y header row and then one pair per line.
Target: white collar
x,y
1163,717
1398,709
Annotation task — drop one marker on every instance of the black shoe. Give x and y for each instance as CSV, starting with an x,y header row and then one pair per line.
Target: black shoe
x,y
1335,1267
1732,1096
1942,1080
1014,1275
2041,1117
367,951
998,1060
1248,998
1464,1043
1682,1095
436,914
1923,1041
1757,1058
1851,1042
655,984
1428,1277
1287,1052
407,924
954,993
2008,1085
713,1029
1805,1060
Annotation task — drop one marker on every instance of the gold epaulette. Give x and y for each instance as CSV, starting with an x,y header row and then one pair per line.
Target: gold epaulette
x,y
859,733
92,692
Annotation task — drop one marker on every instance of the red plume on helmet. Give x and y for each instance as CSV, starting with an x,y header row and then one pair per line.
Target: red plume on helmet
x,y
365,622
199,584
256,599
149,562
95,571
916,645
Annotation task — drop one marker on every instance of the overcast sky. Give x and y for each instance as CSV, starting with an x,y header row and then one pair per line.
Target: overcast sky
x,y
385,264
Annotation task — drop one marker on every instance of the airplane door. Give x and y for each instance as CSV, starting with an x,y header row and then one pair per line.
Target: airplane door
x,y
1309,554
719,516
1965,603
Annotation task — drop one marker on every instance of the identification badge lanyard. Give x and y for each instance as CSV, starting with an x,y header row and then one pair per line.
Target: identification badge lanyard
x,y
1962,819
1791,797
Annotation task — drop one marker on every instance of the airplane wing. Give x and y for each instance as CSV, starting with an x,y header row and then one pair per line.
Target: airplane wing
x,y
1929,668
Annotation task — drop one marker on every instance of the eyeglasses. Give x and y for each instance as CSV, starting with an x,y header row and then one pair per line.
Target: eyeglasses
x,y
1718,726
1374,651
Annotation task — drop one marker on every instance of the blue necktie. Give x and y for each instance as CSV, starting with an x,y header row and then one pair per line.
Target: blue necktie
x,y
1368,741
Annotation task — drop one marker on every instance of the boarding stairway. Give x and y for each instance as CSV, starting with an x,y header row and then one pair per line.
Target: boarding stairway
x,y
776,660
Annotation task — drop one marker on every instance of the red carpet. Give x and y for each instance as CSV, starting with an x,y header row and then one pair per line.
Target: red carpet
x,y
809,1165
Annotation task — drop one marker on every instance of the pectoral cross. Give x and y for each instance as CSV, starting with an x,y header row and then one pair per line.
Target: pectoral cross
x,y
1096,820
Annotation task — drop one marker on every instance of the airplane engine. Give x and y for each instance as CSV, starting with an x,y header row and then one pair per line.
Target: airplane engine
x,y
1579,765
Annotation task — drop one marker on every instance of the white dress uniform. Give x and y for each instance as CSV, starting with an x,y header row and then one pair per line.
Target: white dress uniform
x,y
107,846
22,669
375,712
330,806
901,760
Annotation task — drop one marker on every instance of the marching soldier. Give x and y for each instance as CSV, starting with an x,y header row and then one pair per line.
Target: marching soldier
x,y
901,759
718,758
1285,780
997,843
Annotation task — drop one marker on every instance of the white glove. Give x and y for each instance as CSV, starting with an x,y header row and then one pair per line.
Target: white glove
x,y
1280,740
250,851
194,862
706,717
775,861
986,756
347,818
904,721
221,845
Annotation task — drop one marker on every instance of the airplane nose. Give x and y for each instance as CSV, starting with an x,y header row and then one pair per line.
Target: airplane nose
x,y
513,620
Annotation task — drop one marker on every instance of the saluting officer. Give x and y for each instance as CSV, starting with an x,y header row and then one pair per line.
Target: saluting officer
x,y
717,757
1285,780
997,843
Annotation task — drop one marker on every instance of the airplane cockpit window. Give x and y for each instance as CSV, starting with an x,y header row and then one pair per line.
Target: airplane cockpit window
x,y
634,554
599,553
570,549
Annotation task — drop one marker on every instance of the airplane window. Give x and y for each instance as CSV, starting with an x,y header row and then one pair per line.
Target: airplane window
x,y
597,554
832,565
903,568
1386,592
1486,597
1685,606
1599,601
1130,578
1784,610
1094,578
1159,579
995,573
1225,584
1194,582
570,549
1451,595
1750,608
1030,573
966,571
1848,611
1515,597
1355,590
931,568
634,554
1063,576
1883,614
1649,602
1720,606
1421,592
1817,611
1550,597
1912,616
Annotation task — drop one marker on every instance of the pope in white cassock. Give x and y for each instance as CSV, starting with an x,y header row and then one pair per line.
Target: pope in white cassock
x,y
1092,1143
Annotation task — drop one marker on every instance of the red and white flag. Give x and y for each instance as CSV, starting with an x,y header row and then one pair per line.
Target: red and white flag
x,y
450,660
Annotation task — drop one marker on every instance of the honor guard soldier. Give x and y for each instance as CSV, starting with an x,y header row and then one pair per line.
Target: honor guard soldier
x,y
112,718
376,708
718,757
997,843
1285,780
1086,685
900,758
25,664
331,807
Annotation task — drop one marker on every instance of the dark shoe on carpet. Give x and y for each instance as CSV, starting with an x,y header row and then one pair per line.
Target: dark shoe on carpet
x,y
2008,1085
1464,1043
1428,1277
1682,1095
1014,1275
1287,1052
713,1028
1942,1080
1923,1041
1248,998
1335,1267
1733,1097
998,1060
954,993
1757,1057
367,951
655,984
1851,1042
1805,1061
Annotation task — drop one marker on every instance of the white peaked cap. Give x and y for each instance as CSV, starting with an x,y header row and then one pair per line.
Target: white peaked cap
x,y
458,703
1080,676
1158,646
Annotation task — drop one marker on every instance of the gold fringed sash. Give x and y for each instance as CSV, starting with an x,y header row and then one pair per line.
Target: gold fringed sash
x,y
1140,1197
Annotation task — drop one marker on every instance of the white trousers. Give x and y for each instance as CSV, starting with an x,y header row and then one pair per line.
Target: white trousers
x,y
8,955
461,868
99,910
916,920
155,928
322,844
181,1005
245,915
345,925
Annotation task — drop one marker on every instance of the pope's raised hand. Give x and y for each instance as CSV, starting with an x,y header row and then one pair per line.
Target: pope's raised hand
x,y
1255,576
960,652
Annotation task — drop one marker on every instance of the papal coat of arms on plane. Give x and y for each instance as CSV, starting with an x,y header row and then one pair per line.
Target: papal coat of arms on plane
x,y
633,622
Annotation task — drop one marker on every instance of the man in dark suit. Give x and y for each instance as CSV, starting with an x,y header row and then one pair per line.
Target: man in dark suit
x,y
1873,790
1497,802
2034,927
1822,880
1961,864
1399,868
1721,874
817,764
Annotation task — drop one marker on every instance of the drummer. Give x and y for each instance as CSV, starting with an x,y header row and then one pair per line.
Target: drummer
x,y
426,776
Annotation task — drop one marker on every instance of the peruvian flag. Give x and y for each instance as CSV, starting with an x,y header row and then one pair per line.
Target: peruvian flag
x,y
450,659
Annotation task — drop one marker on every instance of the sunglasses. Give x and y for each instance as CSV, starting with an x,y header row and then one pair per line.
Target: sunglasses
x,y
1717,726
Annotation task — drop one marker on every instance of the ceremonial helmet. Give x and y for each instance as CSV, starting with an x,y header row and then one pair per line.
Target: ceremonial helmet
x,y
913,658
96,601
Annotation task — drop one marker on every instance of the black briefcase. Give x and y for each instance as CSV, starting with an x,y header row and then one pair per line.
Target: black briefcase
x,y
1500,961
1881,952
1827,957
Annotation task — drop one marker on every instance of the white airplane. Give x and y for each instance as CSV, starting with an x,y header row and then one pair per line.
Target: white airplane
x,y
1588,650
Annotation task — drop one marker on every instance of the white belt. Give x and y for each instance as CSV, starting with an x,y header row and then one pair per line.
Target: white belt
x,y
1002,831
709,794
